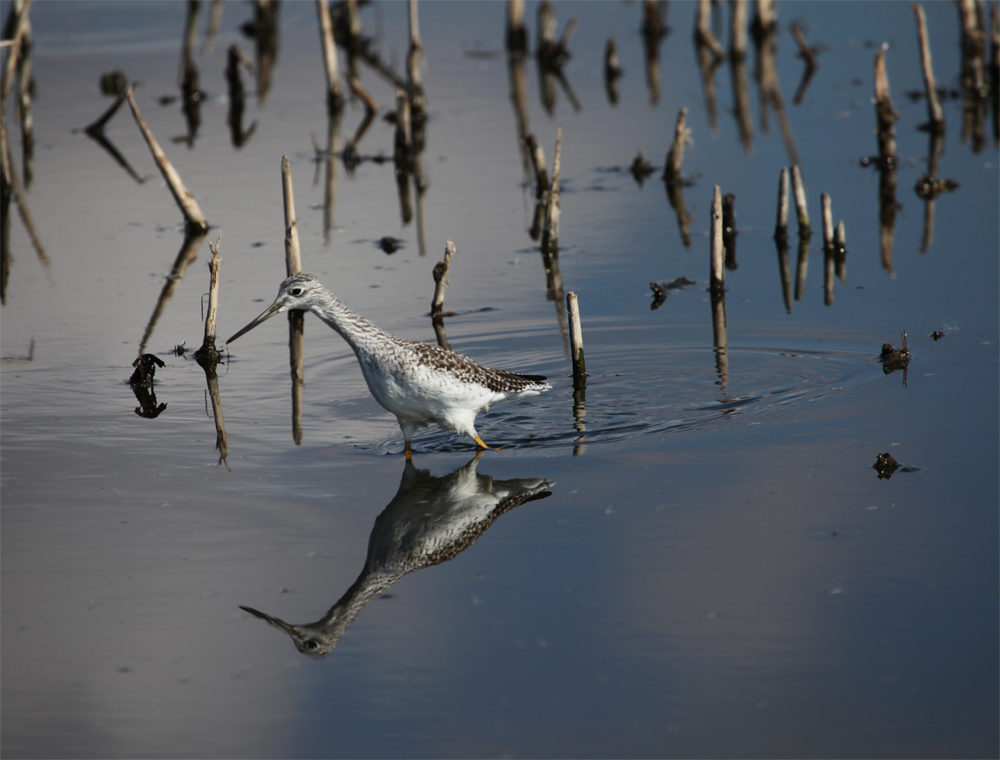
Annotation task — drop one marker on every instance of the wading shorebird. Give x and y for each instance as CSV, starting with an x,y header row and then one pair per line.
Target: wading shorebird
x,y
418,382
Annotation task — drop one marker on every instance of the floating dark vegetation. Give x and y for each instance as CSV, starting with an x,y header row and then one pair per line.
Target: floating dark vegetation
x,y
142,385
937,335
662,289
929,187
895,359
484,55
885,465
889,162
179,349
943,93
113,83
145,368
390,244
641,168
352,159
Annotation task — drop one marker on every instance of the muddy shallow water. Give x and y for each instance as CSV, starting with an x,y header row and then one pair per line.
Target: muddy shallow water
x,y
696,559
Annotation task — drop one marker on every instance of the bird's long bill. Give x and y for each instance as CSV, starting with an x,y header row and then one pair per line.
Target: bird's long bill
x,y
276,622
270,311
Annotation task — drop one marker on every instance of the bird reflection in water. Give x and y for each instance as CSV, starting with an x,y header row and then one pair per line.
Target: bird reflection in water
x,y
430,520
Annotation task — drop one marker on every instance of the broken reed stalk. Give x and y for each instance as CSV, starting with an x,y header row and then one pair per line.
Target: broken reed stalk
x,y
538,162
717,279
24,95
414,83
738,31
729,229
781,227
612,67
799,188
827,221
517,32
840,236
550,233
13,184
296,317
935,114
995,55
840,250
370,105
675,156
208,351
576,339
441,270
293,256
703,30
334,92
20,29
403,149
97,126
805,52
193,215
212,30
767,17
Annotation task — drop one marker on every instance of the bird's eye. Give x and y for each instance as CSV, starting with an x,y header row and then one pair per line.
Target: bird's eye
x,y
295,291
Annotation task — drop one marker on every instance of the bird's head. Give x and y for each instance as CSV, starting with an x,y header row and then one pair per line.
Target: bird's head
x,y
309,639
300,291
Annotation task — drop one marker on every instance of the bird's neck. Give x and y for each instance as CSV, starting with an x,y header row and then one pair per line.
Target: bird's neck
x,y
353,328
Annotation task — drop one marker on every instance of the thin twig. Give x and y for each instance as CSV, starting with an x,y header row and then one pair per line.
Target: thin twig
x,y
441,271
185,200
717,249
576,339
293,257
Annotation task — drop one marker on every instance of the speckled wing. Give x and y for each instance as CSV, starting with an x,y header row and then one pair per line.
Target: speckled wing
x,y
465,370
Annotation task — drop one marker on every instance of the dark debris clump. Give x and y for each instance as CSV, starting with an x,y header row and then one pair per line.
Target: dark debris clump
x,y
894,359
662,289
145,368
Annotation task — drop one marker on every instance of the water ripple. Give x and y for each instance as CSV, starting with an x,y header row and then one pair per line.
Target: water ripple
x,y
653,390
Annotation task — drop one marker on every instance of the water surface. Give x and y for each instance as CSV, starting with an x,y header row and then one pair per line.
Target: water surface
x,y
712,566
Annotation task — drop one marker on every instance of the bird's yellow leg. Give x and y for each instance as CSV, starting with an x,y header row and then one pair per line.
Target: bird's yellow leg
x,y
479,442
408,450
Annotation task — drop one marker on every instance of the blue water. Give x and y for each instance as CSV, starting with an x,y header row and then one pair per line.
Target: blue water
x,y
717,571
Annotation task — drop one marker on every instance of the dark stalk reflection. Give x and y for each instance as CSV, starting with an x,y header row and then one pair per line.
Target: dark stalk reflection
x,y
237,96
185,257
709,55
95,131
188,78
263,30
675,197
429,521
11,189
720,338
141,383
975,88
25,93
654,29
552,55
886,117
765,35
738,75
